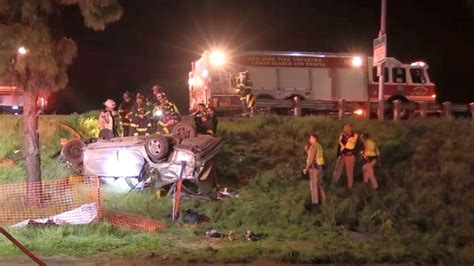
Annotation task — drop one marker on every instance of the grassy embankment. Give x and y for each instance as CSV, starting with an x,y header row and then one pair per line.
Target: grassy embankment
x,y
423,212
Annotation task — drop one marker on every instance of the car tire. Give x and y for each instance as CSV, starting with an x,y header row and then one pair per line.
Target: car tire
x,y
156,148
73,152
184,130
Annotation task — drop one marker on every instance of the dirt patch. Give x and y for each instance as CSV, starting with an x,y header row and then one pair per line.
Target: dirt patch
x,y
64,260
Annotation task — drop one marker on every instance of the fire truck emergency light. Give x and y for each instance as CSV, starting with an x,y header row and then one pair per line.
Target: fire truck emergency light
x,y
356,61
418,64
205,73
359,112
217,58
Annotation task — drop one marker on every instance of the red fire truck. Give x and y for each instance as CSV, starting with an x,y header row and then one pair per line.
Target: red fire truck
x,y
309,76
11,99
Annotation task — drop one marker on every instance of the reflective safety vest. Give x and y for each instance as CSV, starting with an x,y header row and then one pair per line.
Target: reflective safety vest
x,y
141,126
319,158
350,143
370,148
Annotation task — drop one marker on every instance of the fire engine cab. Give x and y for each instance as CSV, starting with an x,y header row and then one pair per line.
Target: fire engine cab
x,y
309,76
11,100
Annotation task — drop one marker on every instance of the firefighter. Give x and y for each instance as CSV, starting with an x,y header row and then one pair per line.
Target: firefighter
x,y
200,119
152,103
168,114
205,120
107,120
244,89
347,144
155,90
140,103
141,125
371,155
314,167
125,113
212,117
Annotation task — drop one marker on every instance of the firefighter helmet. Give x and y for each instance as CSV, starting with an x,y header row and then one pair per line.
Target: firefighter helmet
x,y
140,96
110,103
161,95
141,111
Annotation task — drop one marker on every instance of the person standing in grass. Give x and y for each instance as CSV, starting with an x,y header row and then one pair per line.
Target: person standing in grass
x,y
371,155
346,152
314,168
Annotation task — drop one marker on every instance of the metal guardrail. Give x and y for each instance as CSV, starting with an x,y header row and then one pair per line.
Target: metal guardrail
x,y
342,106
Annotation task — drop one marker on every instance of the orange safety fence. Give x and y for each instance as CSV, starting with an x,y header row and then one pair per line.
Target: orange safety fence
x,y
52,197
72,200
135,222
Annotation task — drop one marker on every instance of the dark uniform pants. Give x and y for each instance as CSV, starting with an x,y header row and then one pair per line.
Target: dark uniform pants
x,y
126,130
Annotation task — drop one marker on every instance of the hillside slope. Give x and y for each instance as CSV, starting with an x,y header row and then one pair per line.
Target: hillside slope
x,y
423,211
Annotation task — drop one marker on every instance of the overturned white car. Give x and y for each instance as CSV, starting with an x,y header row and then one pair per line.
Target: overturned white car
x,y
136,162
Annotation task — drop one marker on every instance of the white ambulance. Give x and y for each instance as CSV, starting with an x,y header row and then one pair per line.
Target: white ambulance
x,y
309,76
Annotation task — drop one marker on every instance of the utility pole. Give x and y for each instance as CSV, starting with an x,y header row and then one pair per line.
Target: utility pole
x,y
381,68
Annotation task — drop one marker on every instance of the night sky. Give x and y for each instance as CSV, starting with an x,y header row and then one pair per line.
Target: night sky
x,y
157,40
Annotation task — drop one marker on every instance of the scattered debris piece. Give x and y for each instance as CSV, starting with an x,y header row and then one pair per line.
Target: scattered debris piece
x,y
226,193
231,235
192,217
214,233
250,236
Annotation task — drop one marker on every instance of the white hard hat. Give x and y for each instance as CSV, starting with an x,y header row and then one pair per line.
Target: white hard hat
x,y
110,103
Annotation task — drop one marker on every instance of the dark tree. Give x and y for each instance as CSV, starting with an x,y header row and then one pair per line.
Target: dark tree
x,y
40,66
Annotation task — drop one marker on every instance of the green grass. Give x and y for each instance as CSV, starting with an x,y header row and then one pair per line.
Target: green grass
x,y
422,213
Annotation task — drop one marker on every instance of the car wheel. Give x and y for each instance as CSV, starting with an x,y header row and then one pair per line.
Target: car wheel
x,y
157,148
184,130
73,152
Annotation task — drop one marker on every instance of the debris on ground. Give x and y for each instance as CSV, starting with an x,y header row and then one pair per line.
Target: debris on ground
x,y
226,193
84,214
231,235
192,217
214,233
250,236
7,162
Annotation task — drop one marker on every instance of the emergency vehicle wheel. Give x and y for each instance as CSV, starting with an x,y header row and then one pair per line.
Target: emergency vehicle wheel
x,y
184,130
157,148
73,151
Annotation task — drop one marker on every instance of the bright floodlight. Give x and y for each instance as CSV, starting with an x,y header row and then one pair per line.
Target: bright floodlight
x,y
217,58
356,61
22,50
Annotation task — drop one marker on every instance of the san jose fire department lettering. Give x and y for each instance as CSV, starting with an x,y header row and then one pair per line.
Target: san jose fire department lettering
x,y
286,61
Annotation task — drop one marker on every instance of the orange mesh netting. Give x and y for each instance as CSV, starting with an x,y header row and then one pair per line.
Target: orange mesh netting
x,y
71,198
135,222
